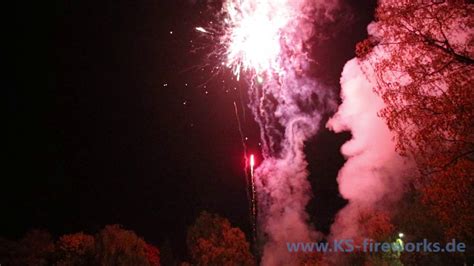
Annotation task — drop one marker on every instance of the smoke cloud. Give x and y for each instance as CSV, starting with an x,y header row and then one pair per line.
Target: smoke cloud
x,y
374,175
281,179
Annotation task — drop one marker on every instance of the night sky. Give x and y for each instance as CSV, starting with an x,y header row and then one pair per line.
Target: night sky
x,y
111,118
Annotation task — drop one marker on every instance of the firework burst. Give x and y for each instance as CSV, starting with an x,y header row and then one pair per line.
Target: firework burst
x,y
265,42
253,36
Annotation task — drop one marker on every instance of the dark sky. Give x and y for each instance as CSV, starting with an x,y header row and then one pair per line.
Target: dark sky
x,y
95,137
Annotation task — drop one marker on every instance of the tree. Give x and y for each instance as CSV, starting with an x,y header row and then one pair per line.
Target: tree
x,y
113,245
9,252
378,227
421,54
417,223
213,241
310,259
152,254
75,249
35,248
117,246
166,254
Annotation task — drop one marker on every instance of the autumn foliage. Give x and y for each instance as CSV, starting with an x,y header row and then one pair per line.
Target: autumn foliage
x,y
376,225
113,245
117,246
422,55
213,241
75,249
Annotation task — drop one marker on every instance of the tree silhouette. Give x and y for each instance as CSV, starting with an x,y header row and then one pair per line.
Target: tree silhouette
x,y
75,249
213,241
117,246
36,247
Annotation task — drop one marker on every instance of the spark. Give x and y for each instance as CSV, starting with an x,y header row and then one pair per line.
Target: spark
x,y
254,35
252,164
253,208
249,180
201,29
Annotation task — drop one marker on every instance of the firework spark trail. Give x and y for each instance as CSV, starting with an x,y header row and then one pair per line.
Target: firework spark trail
x,y
252,164
254,201
266,43
201,29
249,180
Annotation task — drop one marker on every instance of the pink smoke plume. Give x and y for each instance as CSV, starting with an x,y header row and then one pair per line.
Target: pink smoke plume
x,y
374,174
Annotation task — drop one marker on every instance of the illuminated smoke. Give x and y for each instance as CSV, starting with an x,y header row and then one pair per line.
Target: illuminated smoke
x,y
374,175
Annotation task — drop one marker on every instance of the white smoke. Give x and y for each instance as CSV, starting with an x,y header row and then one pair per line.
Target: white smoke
x,y
281,179
374,175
